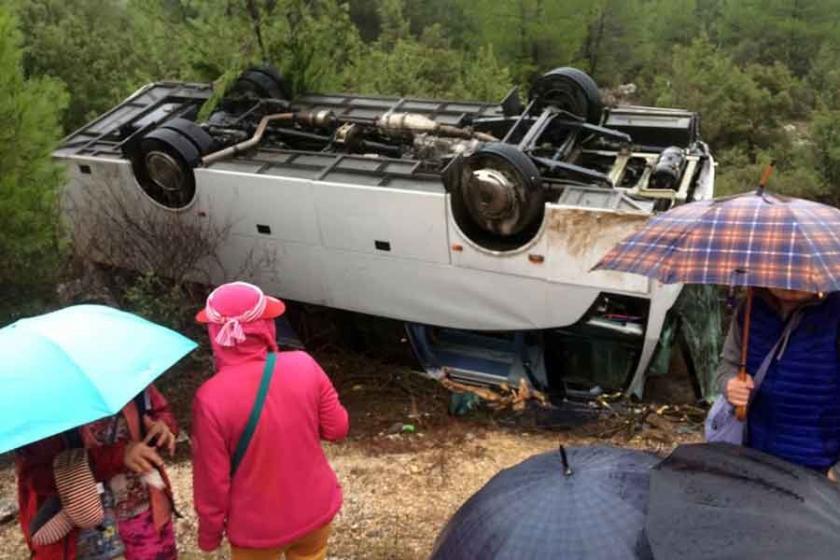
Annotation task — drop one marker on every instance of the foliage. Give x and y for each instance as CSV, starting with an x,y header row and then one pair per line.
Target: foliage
x,y
162,301
30,110
738,106
428,67
156,35
613,44
824,77
790,32
96,62
311,42
794,175
764,74
825,136
530,36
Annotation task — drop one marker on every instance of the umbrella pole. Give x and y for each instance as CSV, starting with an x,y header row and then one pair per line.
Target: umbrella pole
x,y
741,411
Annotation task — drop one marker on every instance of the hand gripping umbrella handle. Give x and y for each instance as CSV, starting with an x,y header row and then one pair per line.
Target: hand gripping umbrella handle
x,y
741,411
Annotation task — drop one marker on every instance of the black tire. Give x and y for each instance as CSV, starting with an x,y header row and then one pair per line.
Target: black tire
x,y
164,159
498,199
263,82
277,78
163,163
568,89
199,137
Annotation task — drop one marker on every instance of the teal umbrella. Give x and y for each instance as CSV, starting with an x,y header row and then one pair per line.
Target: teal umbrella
x,y
76,365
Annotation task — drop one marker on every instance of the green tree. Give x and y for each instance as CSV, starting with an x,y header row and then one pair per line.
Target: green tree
x,y
786,31
530,36
737,107
428,67
458,22
393,24
794,175
157,34
312,42
825,136
672,22
397,63
665,24
88,45
365,16
613,48
30,111
824,78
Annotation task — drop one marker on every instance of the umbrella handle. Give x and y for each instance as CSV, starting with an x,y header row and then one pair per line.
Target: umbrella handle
x,y
741,411
765,176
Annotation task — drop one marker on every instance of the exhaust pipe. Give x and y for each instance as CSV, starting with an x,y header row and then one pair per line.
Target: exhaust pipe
x,y
250,142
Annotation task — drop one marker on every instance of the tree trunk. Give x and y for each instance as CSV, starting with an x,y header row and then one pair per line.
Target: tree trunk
x,y
254,15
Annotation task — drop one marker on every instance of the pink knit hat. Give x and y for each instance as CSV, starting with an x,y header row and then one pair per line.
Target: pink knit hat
x,y
235,303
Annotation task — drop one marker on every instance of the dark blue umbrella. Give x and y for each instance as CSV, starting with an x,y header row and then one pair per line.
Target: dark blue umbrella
x,y
725,501
591,506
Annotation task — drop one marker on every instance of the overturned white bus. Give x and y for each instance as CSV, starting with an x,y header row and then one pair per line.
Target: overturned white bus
x,y
476,224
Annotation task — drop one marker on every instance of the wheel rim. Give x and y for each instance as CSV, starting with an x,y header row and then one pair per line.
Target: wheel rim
x,y
494,196
165,172
491,199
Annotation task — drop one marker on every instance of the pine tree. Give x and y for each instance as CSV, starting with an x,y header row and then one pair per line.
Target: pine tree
x,y
30,111
88,45
825,132
427,67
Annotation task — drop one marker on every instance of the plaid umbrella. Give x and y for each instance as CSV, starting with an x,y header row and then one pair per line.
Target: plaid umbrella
x,y
754,239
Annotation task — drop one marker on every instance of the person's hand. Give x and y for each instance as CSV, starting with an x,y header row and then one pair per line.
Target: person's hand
x,y
159,435
141,458
832,474
738,392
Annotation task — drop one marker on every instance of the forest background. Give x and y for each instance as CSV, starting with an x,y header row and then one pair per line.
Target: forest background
x,y
764,74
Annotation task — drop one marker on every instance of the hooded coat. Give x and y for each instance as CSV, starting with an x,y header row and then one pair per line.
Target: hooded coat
x,y
284,487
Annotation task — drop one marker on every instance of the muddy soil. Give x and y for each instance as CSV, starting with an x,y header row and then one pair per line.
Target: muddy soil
x,y
401,486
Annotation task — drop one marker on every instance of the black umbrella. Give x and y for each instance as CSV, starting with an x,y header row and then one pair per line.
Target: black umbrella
x,y
725,501
591,506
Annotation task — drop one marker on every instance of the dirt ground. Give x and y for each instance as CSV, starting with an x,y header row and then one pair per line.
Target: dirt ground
x,y
401,486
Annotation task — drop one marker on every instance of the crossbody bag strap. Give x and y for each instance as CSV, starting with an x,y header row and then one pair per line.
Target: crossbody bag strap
x,y
759,375
256,411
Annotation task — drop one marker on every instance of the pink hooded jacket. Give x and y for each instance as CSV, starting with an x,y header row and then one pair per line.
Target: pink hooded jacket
x,y
284,488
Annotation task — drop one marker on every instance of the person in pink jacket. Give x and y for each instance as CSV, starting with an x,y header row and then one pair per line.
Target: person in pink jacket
x,y
283,494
